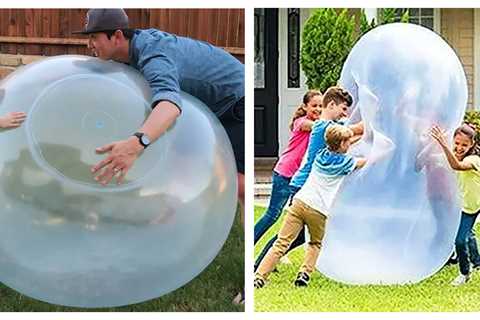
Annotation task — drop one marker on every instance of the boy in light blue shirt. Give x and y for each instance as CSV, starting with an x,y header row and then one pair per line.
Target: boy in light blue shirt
x,y
312,204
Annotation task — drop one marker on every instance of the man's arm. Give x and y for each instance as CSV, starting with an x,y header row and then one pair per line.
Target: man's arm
x,y
159,70
122,154
161,118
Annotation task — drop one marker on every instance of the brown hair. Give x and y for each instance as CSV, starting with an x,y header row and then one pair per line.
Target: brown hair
x,y
338,95
470,131
335,135
301,109
127,33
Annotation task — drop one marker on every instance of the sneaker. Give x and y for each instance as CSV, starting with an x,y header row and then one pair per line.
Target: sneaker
x,y
239,298
302,279
258,283
461,279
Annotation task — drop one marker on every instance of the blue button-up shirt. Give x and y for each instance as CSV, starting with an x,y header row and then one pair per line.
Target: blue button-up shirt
x,y
172,63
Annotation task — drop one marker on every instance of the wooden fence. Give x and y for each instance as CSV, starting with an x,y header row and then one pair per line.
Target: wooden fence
x,y
49,31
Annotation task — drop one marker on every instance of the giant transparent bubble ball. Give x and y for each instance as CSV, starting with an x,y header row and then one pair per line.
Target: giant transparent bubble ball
x,y
394,221
67,240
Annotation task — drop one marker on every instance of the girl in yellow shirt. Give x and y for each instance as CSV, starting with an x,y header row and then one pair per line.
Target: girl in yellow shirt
x,y
465,160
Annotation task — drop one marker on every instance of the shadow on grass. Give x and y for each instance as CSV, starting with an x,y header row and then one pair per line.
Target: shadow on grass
x,y
213,290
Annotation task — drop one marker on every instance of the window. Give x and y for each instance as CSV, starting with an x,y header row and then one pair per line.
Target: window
x,y
422,16
293,48
259,27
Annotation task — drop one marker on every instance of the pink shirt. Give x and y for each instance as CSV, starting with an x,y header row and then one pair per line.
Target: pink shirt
x,y
291,157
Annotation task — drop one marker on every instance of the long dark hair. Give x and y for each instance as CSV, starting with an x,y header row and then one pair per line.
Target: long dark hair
x,y
470,131
302,109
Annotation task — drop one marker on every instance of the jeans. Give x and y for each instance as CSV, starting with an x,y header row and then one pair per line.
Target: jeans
x,y
279,197
466,243
297,242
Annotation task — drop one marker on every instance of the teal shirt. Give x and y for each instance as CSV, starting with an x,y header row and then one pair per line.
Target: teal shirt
x,y
316,143
171,63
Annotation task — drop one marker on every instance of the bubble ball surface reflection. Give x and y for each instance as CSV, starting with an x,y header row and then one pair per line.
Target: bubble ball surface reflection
x,y
67,240
395,220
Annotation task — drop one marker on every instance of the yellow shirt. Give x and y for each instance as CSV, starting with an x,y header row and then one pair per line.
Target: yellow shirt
x,y
469,182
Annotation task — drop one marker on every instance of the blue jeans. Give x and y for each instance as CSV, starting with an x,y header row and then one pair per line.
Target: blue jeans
x,y
297,242
466,243
278,199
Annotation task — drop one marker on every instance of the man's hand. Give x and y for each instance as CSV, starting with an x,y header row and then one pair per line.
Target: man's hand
x,y
12,120
121,156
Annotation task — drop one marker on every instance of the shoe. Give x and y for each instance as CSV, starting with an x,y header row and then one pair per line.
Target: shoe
x,y
302,279
258,283
461,279
239,298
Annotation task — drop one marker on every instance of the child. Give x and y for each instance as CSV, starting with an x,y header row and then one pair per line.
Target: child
x,y
334,107
466,161
12,120
311,205
290,160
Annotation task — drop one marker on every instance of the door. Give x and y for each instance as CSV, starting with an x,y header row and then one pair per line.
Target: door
x,y
291,79
266,82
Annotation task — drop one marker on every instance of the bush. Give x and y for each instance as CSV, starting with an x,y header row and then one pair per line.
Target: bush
x,y
385,15
473,117
327,38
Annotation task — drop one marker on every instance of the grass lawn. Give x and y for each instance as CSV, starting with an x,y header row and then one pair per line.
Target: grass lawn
x,y
323,294
212,290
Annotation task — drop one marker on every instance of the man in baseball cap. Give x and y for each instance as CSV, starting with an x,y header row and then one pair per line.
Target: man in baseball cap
x,y
169,63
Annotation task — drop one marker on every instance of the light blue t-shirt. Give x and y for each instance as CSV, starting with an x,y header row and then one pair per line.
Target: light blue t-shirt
x,y
333,164
172,63
317,143
323,183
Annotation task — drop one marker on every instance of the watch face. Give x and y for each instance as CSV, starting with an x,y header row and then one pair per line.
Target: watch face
x,y
145,140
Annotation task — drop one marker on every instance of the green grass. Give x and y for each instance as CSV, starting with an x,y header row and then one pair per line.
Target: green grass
x,y
212,290
323,294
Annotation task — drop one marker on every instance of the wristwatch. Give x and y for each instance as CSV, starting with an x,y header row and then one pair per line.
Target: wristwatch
x,y
143,139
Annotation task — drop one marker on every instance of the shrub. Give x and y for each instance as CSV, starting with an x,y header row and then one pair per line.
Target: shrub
x,y
327,38
326,41
473,117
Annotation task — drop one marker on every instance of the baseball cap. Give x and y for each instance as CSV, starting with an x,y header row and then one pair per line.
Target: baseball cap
x,y
98,20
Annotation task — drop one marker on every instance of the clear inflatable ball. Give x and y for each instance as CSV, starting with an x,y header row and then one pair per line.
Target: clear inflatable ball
x,y
395,220
64,238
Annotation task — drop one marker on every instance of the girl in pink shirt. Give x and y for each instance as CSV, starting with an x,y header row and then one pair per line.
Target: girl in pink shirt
x,y
290,159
